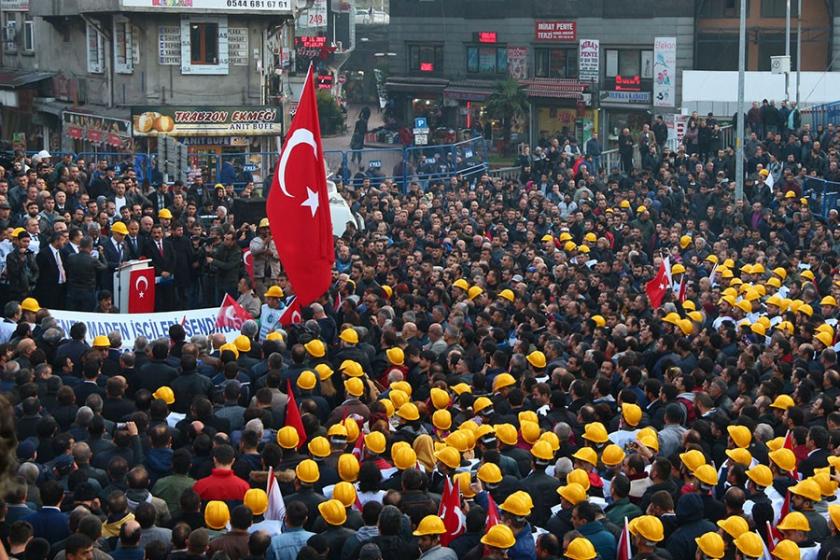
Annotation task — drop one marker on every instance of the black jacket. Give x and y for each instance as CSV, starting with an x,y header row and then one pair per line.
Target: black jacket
x,y
689,511
155,374
543,490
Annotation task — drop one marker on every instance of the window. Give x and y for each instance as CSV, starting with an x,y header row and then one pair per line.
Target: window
x,y
10,32
777,8
487,60
204,43
628,69
721,8
773,44
123,46
28,34
717,51
425,59
95,51
556,63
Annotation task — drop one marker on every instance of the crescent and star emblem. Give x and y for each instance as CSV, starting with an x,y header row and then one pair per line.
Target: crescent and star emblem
x,y
299,136
145,282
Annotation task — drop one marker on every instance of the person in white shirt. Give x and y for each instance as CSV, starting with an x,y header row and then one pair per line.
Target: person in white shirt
x,y
631,415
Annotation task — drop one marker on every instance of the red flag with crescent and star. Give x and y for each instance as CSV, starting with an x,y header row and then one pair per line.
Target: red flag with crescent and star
x,y
298,207
141,291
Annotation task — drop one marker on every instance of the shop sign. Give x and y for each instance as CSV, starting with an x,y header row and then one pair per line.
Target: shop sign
x,y
555,30
238,46
14,5
628,83
589,60
664,71
626,97
206,121
169,45
97,129
226,6
489,37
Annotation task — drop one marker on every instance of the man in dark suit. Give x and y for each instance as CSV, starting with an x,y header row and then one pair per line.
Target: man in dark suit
x,y
72,246
115,254
89,384
161,198
52,275
156,372
133,242
816,443
49,522
82,270
160,251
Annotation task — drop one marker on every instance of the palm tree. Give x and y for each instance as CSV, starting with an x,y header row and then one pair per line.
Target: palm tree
x,y
507,102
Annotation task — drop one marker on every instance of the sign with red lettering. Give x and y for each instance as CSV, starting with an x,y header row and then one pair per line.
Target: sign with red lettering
x,y
628,83
427,67
555,30
206,121
486,36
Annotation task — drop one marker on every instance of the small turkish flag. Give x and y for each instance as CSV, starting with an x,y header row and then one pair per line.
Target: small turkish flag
x,y
141,291
291,315
624,551
298,206
659,286
293,418
231,315
451,513
493,517
248,259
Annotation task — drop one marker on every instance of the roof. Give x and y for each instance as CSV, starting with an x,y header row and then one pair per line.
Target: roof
x,y
469,90
555,88
15,79
415,85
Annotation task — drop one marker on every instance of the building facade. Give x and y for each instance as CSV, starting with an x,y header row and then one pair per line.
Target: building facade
x,y
111,75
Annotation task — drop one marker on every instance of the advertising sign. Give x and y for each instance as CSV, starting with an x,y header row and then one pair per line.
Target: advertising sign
x,y
226,6
518,62
206,121
238,46
589,60
97,129
169,45
664,72
14,5
555,30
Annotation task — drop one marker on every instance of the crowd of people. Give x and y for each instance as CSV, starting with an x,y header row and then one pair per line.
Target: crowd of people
x,y
488,339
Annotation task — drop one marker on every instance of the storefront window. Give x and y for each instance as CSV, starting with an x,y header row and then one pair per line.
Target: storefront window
x,y
556,63
487,60
204,43
425,59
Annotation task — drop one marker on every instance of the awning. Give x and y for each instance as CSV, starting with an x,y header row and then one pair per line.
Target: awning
x,y
415,85
557,89
14,79
469,91
52,107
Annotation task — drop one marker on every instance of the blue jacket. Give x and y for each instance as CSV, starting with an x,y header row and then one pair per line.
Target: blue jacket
x,y
601,539
287,544
524,548
49,523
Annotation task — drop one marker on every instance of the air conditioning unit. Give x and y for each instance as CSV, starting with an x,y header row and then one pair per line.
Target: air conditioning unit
x,y
9,34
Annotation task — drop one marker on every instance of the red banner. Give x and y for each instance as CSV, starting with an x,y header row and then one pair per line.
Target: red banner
x,y
141,295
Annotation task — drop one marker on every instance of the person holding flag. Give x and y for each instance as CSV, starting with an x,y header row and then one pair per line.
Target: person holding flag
x,y
515,511
429,532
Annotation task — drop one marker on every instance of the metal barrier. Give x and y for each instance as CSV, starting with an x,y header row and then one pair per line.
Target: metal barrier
x,y
506,173
823,196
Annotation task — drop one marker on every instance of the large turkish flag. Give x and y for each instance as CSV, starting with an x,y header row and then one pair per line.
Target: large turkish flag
x,y
298,207
141,291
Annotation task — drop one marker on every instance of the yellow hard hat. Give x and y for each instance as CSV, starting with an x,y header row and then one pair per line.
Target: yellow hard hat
x,y
120,228
648,527
599,321
274,335
685,241
807,274
794,521
263,223
288,438
306,380
461,388
775,282
677,268
750,545
760,475
542,451
572,493
595,432
439,397
449,456
734,525
579,476
530,431
612,455
430,525
624,204
348,467
464,480
581,548
641,209
584,249
230,347
783,402
507,294
808,489
354,386
686,327
165,394
333,512
216,515
389,291
552,440
345,493
351,368
389,407
350,336
307,471
692,459
672,318
834,515
507,434
536,359
828,486
458,440
829,300
482,403
649,441
30,304
398,398
706,474
376,442
395,355
256,500
442,419
825,338
503,380
337,430
489,473
474,292
776,443
319,447
806,309
695,316
461,283
787,550
242,343
316,348
569,246
165,214
712,259
409,412
352,428
517,505
274,292
711,545
689,305
632,413
499,536
587,455
590,237
740,456
404,457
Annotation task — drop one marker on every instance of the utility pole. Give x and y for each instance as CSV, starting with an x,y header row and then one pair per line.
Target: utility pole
x,y
739,136
798,50
787,49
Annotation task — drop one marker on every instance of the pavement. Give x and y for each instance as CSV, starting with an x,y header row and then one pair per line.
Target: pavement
x,y
342,141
